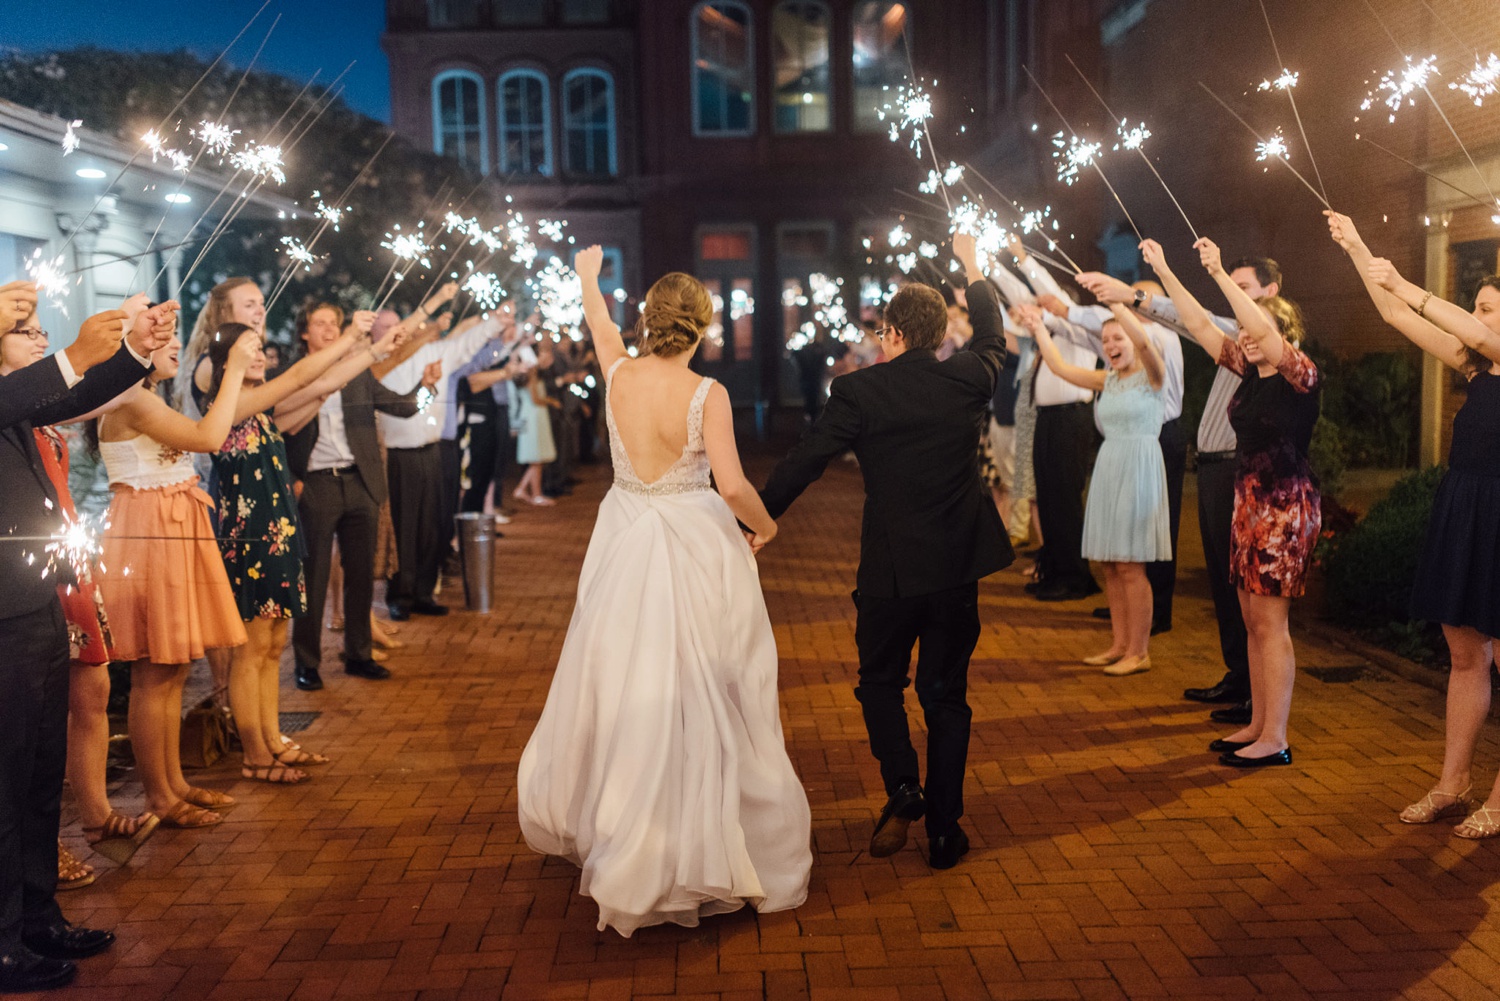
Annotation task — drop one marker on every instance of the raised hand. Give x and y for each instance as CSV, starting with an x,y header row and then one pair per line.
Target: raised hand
x,y
432,374
98,340
1106,288
247,348
153,328
1383,273
1016,249
363,320
589,262
1341,228
17,302
444,322
1153,255
1209,256
444,295
1053,305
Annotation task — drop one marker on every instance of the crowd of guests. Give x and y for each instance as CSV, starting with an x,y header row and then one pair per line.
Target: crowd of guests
x,y
241,494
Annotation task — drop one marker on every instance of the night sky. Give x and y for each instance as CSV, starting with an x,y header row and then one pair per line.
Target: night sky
x,y
312,34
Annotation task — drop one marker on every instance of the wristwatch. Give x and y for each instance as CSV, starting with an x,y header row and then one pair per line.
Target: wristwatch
x,y
1140,298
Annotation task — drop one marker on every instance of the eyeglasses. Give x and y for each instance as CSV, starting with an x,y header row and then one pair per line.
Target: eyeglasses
x,y
880,334
35,335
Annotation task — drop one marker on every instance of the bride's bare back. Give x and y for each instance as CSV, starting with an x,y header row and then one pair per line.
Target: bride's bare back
x,y
650,398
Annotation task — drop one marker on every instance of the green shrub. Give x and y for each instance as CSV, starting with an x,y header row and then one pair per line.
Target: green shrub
x,y
1328,457
1371,569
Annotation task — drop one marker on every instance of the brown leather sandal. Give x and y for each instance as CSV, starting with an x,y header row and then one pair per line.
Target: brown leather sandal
x,y
72,874
119,836
277,774
186,816
209,799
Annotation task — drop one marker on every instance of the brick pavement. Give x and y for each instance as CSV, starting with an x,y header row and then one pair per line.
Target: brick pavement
x,y
1113,858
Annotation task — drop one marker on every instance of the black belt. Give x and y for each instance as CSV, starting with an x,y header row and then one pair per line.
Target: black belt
x,y
336,471
1064,406
1216,456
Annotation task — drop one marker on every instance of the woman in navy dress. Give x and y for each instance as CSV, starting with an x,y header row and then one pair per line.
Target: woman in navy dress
x,y
1277,507
1458,575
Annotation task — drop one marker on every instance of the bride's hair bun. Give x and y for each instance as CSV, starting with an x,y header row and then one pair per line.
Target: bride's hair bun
x,y
678,310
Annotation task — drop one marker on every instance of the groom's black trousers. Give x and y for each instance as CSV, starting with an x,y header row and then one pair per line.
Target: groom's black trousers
x,y
945,627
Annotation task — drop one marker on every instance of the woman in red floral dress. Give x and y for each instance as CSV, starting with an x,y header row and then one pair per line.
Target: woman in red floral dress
x,y
1277,507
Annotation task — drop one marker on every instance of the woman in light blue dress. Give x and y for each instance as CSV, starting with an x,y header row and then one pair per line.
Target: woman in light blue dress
x,y
1125,524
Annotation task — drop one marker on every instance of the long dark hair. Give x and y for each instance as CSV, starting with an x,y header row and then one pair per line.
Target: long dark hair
x,y
219,345
1474,361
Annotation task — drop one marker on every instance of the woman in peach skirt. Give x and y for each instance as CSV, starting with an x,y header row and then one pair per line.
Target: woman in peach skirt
x,y
164,584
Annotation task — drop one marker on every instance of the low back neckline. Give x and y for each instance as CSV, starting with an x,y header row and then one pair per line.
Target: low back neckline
x,y
688,472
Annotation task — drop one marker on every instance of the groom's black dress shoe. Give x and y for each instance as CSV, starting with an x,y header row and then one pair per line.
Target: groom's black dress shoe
x,y
1228,746
1282,757
366,669
945,851
1224,691
905,805
23,971
65,941
1238,715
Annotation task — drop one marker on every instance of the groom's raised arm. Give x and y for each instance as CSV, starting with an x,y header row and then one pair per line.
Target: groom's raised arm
x,y
829,438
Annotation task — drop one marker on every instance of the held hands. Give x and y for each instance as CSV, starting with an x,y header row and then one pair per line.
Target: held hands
x,y
589,262
1341,228
17,302
757,541
1013,242
444,295
1053,305
1106,288
153,328
444,322
432,375
1209,256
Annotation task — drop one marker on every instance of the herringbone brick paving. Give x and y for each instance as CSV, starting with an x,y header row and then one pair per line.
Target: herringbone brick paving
x,y
1113,858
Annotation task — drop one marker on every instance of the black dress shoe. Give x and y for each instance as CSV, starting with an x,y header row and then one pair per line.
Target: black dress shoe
x,y
23,971
1101,613
1157,628
65,941
1224,691
1238,715
429,607
366,669
1233,760
905,805
1033,586
309,680
1228,746
398,613
945,851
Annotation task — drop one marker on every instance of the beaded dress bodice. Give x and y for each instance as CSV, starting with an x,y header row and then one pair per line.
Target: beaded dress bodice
x,y
691,470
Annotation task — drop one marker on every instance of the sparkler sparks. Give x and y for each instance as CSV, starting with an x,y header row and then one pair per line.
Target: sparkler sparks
x,y
898,237
408,247
50,278
77,544
262,161
331,214
1132,138
155,143
486,289
1274,147
911,109
298,252
1481,81
552,229
559,298
1072,155
1398,85
1286,81
217,138
70,138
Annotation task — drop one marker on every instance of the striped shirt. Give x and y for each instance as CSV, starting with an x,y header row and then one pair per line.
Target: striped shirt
x,y
1214,431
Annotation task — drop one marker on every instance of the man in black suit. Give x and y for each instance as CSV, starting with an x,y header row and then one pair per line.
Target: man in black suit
x,y
336,456
37,945
930,533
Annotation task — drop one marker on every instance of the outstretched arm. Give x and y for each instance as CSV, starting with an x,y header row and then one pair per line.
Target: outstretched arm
x,y
608,344
149,415
1190,311
1253,319
729,475
1145,349
830,437
1086,378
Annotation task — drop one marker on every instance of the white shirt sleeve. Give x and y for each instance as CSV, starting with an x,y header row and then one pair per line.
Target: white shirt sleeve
x,y
64,366
1041,279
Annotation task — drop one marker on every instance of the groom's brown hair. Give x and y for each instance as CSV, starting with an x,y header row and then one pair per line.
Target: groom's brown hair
x,y
920,313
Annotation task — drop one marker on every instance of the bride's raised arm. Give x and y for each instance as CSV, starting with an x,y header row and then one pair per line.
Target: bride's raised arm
x,y
608,344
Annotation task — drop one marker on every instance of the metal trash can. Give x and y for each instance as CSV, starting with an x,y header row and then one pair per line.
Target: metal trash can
x,y
476,548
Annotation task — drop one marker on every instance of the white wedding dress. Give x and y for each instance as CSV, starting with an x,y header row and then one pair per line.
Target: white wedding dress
x,y
658,765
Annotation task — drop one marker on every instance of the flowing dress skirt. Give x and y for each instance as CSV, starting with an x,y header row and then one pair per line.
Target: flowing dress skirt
x,y
658,765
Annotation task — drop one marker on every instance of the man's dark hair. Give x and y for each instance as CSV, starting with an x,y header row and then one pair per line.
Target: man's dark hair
x,y
1267,271
919,312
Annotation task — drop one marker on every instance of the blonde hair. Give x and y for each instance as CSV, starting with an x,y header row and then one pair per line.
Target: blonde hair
x,y
677,311
215,313
1288,317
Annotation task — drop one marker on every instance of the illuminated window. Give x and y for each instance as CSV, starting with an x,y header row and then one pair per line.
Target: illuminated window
x,y
589,123
800,41
881,63
458,128
723,69
525,135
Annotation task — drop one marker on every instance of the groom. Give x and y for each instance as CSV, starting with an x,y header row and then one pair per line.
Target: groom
x,y
930,533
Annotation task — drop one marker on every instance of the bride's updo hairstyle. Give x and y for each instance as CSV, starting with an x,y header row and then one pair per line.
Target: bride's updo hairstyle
x,y
678,310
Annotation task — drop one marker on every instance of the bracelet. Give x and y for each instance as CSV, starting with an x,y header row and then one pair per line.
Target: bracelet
x,y
1425,300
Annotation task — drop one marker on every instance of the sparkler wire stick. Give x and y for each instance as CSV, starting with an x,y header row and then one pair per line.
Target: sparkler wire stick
x,y
163,124
128,257
1162,181
1295,172
438,274
1092,162
1390,152
1276,50
1021,214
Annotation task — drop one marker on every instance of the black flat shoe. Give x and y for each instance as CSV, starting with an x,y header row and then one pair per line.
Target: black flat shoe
x,y
429,608
945,851
309,679
1228,746
1237,715
1157,628
398,613
904,806
23,971
65,941
1233,760
367,669
1101,613
1224,691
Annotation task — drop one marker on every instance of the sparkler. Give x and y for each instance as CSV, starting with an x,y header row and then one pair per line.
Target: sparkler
x,y
486,289
911,109
1286,83
217,138
1072,155
1135,139
77,544
51,281
1415,166
298,253
1399,85
559,298
1267,148
1032,221
70,138
1481,81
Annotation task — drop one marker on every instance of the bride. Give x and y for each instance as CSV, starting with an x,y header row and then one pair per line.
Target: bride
x,y
658,764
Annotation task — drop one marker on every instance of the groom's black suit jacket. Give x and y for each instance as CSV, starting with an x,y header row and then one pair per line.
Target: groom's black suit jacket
x,y
914,424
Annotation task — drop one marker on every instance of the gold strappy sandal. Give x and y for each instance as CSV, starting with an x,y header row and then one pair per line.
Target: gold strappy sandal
x,y
1482,823
1428,809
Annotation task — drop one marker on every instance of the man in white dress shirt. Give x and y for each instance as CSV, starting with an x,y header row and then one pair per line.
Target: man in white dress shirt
x,y
416,469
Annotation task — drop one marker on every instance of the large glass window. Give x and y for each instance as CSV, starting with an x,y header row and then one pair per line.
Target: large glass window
x,y
723,69
880,59
726,259
519,13
453,13
589,123
800,42
458,119
525,131
585,11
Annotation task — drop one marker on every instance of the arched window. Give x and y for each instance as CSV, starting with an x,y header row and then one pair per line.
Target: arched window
x,y
723,69
800,43
880,60
458,119
525,124
589,123
453,13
